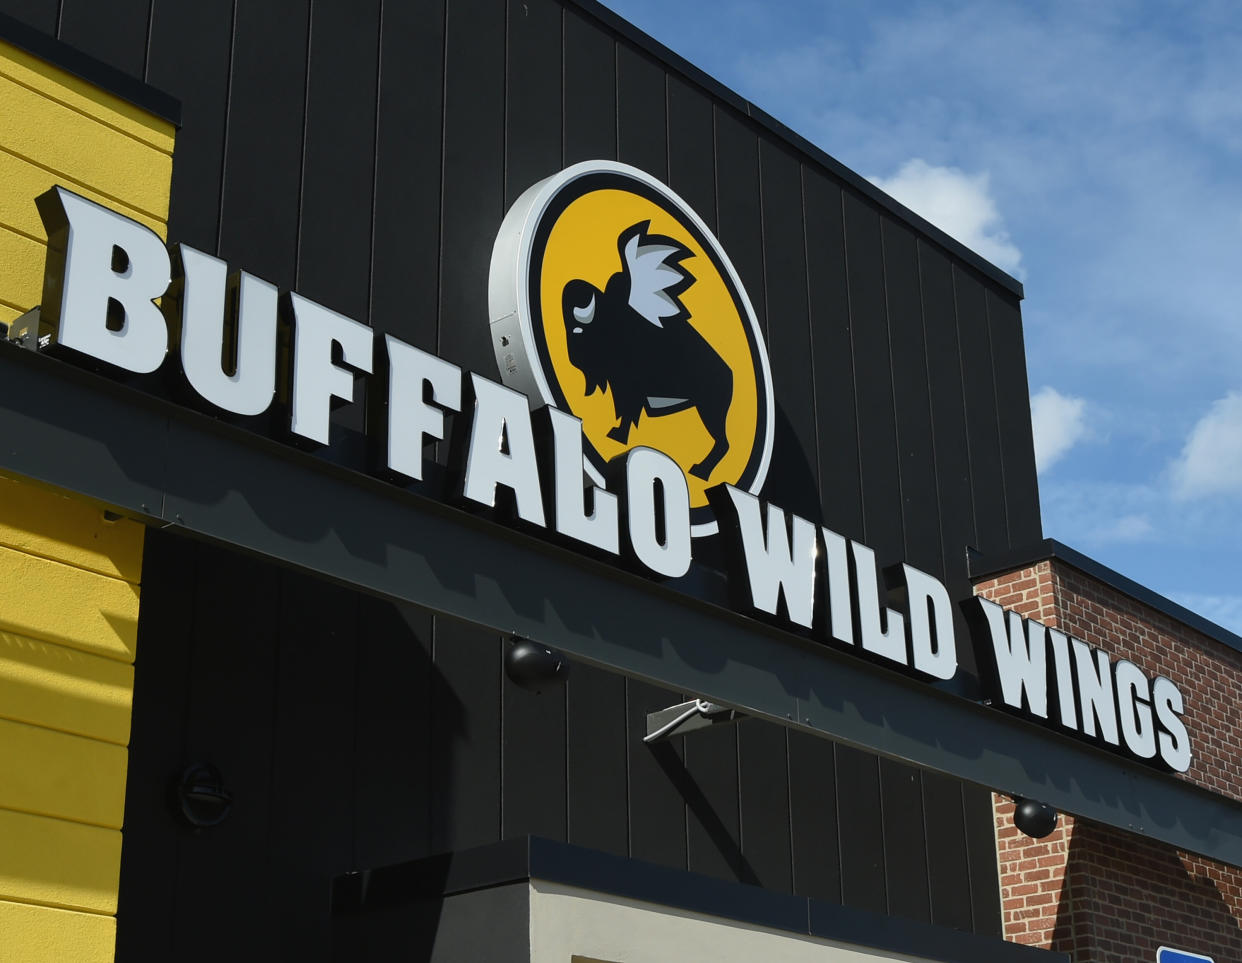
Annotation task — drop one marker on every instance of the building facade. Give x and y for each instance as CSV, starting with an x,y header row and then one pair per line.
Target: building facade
x,y
354,348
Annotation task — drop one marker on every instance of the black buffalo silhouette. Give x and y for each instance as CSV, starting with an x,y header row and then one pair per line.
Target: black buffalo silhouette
x,y
634,337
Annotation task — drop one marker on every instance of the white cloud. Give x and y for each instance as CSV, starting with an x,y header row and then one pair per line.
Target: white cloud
x,y
1224,610
1127,528
958,203
1211,461
1058,423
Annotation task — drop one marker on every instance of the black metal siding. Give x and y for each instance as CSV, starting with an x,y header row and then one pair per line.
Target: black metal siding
x,y
365,154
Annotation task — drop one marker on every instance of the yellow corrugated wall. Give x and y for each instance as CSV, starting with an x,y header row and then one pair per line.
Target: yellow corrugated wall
x,y
69,574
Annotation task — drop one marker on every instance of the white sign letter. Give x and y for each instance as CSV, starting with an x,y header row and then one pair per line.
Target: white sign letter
x,y
104,272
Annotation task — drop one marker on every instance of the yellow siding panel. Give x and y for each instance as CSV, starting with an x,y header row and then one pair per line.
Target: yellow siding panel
x,y
43,522
58,688
84,97
81,148
58,863
39,934
21,282
56,774
59,603
23,181
8,315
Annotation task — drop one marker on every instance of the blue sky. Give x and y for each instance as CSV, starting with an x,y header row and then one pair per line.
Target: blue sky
x,y
1093,150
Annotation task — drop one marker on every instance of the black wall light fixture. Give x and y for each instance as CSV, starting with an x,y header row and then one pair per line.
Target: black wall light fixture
x,y
200,796
1033,818
533,665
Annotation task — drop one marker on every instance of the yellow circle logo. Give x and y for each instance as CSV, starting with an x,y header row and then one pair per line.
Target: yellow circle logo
x,y
611,300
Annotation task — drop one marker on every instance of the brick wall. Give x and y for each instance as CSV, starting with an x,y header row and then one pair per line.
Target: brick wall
x,y
1100,894
1106,896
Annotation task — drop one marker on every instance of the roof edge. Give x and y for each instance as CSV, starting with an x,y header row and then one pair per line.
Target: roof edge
x,y
783,132
982,566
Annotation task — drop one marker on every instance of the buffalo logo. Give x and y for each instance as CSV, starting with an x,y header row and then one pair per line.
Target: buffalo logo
x,y
611,299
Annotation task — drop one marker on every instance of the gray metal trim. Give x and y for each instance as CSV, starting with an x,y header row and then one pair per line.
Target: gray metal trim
x,y
175,467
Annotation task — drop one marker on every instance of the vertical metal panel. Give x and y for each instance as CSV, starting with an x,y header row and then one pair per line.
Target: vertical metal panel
x,y
465,736
916,458
691,159
1013,410
986,474
40,14
473,176
590,94
230,712
114,32
860,825
905,841
312,807
948,871
765,795
596,761
877,432
794,474
146,911
198,75
813,817
263,148
393,777
981,855
833,355
406,203
533,103
641,112
657,806
338,157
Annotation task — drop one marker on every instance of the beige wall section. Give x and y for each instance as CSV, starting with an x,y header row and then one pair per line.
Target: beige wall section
x,y
567,922
69,574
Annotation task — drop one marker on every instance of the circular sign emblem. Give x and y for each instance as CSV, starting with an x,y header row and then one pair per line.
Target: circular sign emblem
x,y
611,299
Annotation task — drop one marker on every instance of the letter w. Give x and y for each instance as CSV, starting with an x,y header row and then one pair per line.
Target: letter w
x,y
1020,657
773,565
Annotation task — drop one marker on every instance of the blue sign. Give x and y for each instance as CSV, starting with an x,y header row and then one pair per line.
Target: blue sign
x,y
1166,955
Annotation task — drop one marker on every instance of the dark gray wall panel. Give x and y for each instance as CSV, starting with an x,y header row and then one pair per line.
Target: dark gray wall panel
x,y
656,776
905,841
146,912
916,451
393,776
465,736
590,70
263,147
338,161
114,32
596,761
1013,410
877,430
407,172
793,478
832,350
40,14
198,76
813,817
947,861
473,176
987,476
641,112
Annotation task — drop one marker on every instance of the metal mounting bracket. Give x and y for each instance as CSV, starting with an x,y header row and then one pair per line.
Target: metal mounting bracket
x,y
686,717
